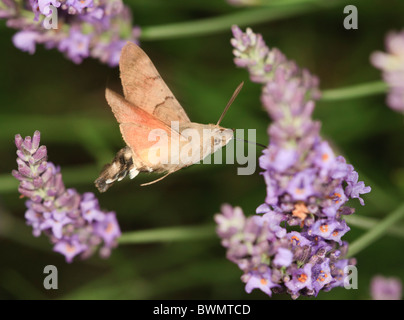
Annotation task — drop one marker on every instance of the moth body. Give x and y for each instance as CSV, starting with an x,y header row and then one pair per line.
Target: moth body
x,y
158,134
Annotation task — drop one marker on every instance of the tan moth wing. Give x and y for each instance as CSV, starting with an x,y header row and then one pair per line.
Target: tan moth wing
x,y
144,87
135,125
126,113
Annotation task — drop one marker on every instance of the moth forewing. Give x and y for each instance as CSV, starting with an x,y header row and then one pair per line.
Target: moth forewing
x,y
159,152
144,87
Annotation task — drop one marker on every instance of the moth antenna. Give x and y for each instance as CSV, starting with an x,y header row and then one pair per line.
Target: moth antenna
x,y
252,142
233,97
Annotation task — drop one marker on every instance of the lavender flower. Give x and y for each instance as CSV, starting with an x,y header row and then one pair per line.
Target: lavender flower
x,y
392,66
84,28
307,185
385,288
263,64
294,263
74,223
8,8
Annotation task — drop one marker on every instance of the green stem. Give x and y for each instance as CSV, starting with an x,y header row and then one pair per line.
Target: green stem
x,y
247,17
276,3
168,234
368,223
356,91
376,232
207,231
72,176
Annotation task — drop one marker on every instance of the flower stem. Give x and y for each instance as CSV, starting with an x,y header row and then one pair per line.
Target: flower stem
x,y
168,234
356,91
207,231
376,232
246,17
72,176
276,3
368,223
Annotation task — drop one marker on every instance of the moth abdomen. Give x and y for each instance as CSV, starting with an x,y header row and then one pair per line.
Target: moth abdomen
x,y
119,168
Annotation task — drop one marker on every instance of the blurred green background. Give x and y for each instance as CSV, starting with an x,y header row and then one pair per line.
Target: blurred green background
x,y
64,101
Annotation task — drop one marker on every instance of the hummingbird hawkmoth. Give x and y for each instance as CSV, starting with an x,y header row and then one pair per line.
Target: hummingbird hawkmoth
x,y
149,106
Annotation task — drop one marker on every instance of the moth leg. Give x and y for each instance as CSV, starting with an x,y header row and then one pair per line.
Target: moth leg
x,y
117,170
157,180
133,173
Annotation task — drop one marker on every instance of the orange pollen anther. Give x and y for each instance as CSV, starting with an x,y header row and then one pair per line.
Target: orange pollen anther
x,y
294,238
325,157
300,211
263,281
109,228
322,276
335,233
324,228
69,248
299,190
302,278
338,195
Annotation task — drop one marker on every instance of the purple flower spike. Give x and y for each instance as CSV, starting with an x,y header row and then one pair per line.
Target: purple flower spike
x,y
85,28
308,186
74,222
264,65
392,66
386,288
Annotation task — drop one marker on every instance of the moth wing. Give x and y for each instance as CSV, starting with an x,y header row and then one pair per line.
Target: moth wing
x,y
144,87
126,112
140,130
